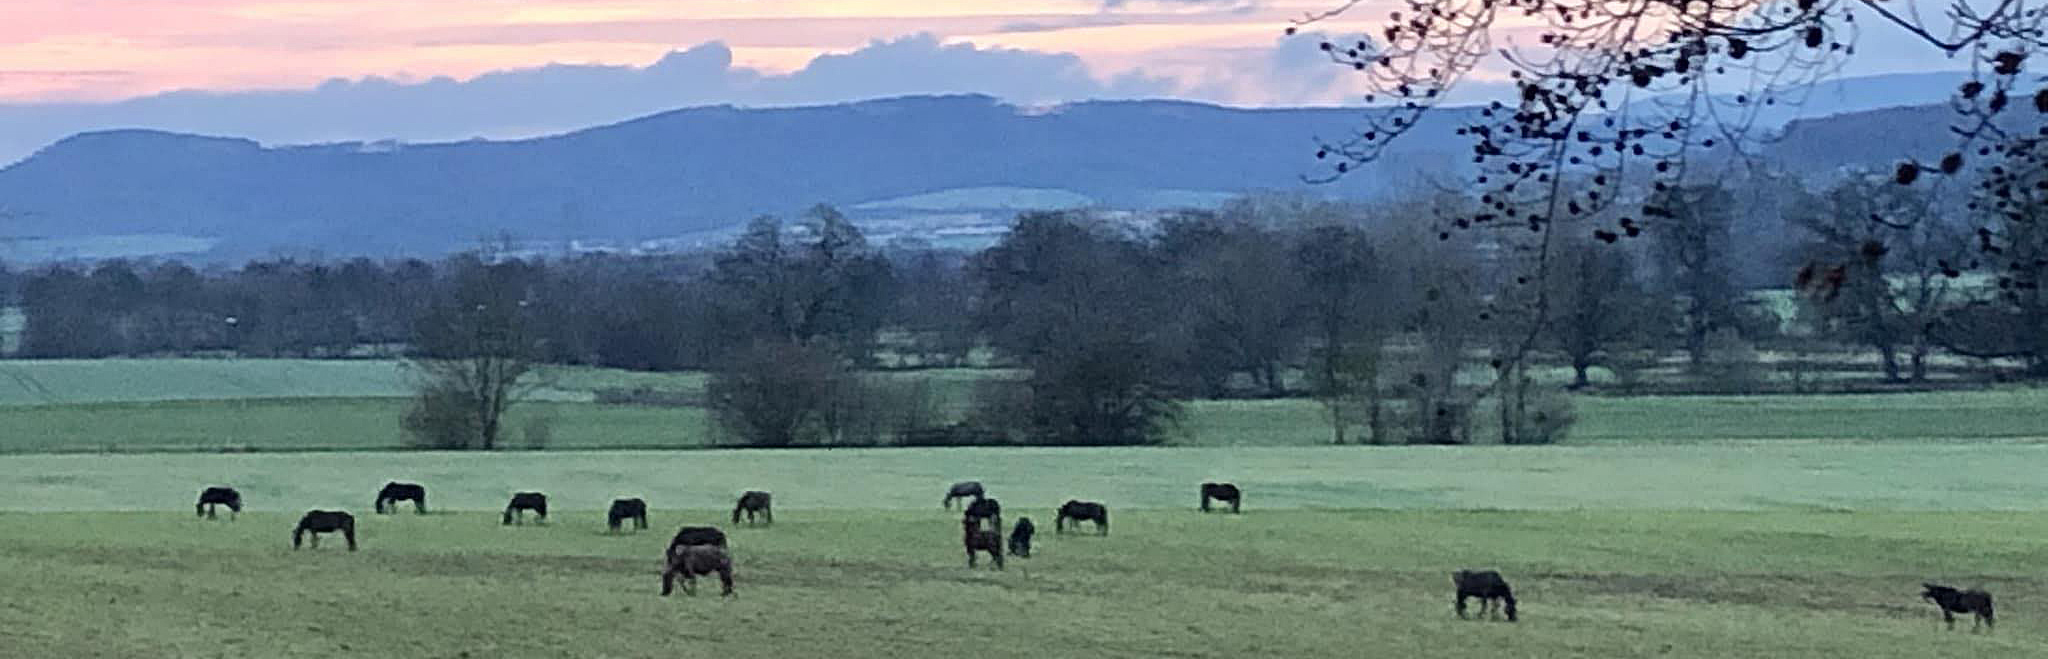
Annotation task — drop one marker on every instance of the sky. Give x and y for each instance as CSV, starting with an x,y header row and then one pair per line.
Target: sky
x,y
326,70
103,50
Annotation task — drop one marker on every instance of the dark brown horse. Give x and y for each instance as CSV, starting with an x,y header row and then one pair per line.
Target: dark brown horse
x,y
214,497
1954,601
1224,492
751,503
980,539
525,501
1080,511
988,509
1487,585
963,490
394,492
317,522
697,535
625,509
692,561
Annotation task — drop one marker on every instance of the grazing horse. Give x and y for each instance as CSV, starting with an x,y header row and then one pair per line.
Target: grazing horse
x,y
1080,511
1224,492
394,492
980,539
1487,586
988,509
692,561
214,497
525,501
625,509
317,522
1954,601
963,490
754,502
690,536
1020,538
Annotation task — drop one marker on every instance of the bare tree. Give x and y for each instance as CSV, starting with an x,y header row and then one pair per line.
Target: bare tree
x,y
1602,308
1691,245
475,355
1876,268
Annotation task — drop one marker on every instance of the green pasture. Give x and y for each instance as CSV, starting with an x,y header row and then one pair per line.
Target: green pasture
x,y
876,583
285,424
1785,475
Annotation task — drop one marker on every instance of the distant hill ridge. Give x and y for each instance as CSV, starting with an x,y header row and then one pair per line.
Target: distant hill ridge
x,y
709,168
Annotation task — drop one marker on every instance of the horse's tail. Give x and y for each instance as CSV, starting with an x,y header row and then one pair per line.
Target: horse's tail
x,y
1104,521
348,531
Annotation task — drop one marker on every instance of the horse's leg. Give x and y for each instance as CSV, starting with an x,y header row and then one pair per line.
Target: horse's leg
x,y
1234,503
996,552
668,580
349,532
1461,606
970,557
768,515
725,580
640,521
1949,618
419,505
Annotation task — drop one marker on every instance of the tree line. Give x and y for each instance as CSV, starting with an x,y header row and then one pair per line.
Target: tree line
x,y
1402,330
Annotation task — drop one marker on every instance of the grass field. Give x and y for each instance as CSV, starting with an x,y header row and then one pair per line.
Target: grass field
x,y
1718,476
1780,526
284,424
874,583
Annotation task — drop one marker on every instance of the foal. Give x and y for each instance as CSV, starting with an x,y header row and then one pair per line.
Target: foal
x,y
317,522
1020,538
1954,601
1485,585
525,501
214,497
692,561
980,539
625,509
751,503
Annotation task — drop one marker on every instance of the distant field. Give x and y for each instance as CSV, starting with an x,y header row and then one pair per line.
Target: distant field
x,y
372,423
1729,476
1176,583
212,405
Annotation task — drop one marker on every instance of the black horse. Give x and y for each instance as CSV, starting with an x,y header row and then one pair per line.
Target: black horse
x,y
963,490
214,497
625,509
752,503
525,501
690,536
1954,601
394,492
1020,538
1487,586
1080,511
317,522
1224,492
988,509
